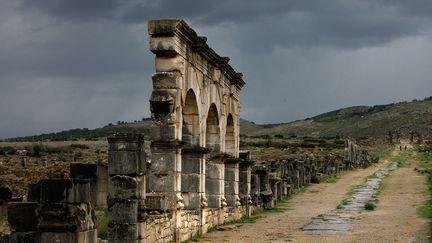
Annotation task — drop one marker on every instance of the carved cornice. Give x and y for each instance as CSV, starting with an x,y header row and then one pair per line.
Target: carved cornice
x,y
177,27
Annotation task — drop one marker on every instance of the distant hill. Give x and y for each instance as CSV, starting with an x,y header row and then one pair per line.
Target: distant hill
x,y
142,126
359,121
356,121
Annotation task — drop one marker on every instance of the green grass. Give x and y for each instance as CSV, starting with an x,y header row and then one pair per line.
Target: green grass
x,y
322,217
4,220
333,178
425,161
426,210
402,157
102,219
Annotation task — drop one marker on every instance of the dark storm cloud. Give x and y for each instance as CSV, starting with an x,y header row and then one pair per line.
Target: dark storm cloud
x,y
85,63
339,23
77,10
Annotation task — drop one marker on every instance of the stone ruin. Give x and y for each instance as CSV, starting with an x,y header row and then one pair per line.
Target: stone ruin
x,y
274,180
197,179
395,137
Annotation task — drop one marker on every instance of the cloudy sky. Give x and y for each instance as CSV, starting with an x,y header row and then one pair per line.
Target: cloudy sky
x,y
84,63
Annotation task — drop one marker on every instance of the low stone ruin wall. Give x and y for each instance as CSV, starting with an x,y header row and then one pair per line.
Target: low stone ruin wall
x,y
273,180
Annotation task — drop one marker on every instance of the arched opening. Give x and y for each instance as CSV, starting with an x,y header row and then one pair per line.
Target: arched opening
x,y
190,129
191,162
230,136
212,130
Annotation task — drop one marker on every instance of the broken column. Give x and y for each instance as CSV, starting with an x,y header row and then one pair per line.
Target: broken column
x,y
61,212
126,188
245,170
97,175
23,157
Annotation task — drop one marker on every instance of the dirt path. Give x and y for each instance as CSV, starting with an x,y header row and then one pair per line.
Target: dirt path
x,y
394,219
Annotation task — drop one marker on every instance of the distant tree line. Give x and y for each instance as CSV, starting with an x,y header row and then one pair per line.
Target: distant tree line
x,y
87,134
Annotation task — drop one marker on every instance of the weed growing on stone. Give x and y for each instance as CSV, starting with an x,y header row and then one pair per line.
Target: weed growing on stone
x,y
4,220
102,219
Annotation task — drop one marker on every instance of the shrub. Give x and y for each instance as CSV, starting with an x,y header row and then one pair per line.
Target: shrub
x,y
7,150
79,146
370,206
36,150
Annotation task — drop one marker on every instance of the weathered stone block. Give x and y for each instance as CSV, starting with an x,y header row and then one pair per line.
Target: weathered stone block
x,y
163,46
190,182
162,182
164,80
33,194
101,185
122,211
126,163
24,237
5,192
191,165
231,175
213,201
102,172
126,187
128,231
125,142
156,202
230,187
192,200
89,236
62,217
83,171
213,170
163,162
214,186
64,190
22,216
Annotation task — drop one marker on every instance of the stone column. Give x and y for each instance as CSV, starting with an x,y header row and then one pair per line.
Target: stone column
x,y
165,174
97,175
232,182
245,170
214,183
255,188
192,177
126,188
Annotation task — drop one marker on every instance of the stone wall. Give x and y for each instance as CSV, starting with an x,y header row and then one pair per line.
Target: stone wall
x,y
61,212
273,180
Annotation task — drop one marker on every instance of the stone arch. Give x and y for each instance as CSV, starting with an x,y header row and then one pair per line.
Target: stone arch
x,y
230,136
191,126
213,129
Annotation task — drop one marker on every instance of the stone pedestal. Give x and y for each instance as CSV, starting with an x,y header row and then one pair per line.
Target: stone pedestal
x,y
232,182
214,183
126,188
245,173
61,212
192,177
165,172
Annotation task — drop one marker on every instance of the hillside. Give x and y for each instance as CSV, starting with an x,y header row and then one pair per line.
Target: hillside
x,y
143,126
356,121
360,121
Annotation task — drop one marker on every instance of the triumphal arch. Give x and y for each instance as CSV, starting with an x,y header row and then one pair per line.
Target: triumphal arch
x,y
195,106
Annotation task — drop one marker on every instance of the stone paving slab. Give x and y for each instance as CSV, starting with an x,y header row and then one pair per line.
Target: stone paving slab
x,y
342,219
